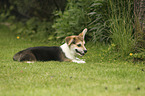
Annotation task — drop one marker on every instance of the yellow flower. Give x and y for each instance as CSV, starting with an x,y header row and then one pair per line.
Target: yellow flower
x,y
131,54
113,45
18,37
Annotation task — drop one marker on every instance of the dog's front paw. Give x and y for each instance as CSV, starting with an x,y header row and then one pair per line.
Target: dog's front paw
x,y
76,61
82,62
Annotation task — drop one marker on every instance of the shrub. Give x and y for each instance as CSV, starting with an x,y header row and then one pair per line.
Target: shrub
x,y
98,15
73,20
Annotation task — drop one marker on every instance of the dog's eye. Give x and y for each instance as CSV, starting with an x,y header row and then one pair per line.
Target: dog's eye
x,y
79,45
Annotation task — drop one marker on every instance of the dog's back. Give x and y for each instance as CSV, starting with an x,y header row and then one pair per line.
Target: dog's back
x,y
39,54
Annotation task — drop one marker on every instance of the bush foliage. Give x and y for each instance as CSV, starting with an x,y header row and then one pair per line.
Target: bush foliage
x,y
73,20
34,29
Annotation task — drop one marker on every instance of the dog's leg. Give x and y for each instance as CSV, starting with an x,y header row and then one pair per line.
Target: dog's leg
x,y
67,60
28,57
74,60
77,61
29,61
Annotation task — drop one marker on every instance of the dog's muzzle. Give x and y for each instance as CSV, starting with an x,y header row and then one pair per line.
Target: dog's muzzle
x,y
85,51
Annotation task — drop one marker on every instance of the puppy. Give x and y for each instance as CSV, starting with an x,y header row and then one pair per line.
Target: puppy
x,y
74,45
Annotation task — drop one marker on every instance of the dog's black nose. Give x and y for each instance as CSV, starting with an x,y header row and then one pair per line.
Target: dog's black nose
x,y
85,51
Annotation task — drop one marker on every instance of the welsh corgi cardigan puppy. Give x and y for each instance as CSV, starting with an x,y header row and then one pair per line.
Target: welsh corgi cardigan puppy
x,y
74,45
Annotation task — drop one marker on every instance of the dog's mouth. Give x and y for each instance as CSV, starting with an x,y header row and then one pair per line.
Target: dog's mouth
x,y
79,53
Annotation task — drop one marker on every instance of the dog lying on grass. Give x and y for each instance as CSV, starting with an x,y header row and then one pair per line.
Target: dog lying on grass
x,y
74,45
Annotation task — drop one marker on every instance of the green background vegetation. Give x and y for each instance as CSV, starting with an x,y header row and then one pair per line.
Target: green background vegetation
x,y
115,41
117,22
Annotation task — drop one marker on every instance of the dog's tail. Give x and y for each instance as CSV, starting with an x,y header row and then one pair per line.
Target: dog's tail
x,y
17,56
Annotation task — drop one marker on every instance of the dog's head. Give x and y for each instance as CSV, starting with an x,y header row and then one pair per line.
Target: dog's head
x,y
76,43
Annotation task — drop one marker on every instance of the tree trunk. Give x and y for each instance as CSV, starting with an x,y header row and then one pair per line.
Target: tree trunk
x,y
139,13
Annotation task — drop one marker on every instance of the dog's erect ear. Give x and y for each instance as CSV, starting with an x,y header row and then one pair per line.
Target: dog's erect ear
x,y
83,33
69,40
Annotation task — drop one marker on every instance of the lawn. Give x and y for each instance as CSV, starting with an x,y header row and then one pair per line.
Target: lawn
x,y
94,78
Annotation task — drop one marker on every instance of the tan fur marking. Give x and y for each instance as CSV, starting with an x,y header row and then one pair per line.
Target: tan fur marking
x,y
64,58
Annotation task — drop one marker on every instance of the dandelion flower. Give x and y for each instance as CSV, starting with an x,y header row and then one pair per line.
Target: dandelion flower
x,y
131,54
18,37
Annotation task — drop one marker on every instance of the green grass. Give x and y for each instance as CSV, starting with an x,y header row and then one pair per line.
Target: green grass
x,y
97,77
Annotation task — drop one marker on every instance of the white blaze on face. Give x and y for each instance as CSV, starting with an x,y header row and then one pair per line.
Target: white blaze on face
x,y
76,43
78,48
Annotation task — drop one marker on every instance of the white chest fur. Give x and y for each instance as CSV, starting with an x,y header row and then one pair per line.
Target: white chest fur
x,y
70,54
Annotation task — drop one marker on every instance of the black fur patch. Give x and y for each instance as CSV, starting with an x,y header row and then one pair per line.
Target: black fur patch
x,y
40,54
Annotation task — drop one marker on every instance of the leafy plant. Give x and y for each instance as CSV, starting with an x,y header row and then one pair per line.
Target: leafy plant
x,y
73,20
97,14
